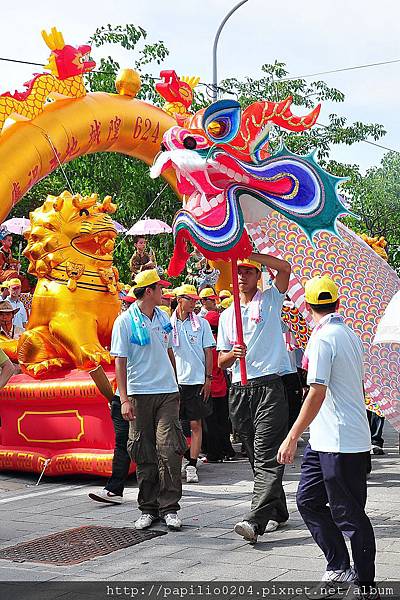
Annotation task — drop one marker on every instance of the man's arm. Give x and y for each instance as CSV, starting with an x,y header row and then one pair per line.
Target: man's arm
x,y
127,411
206,389
226,358
282,268
173,361
7,371
308,412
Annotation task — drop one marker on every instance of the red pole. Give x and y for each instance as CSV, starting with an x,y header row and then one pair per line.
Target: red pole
x,y
238,319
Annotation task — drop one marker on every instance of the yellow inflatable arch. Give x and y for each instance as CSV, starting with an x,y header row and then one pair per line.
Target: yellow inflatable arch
x,y
66,129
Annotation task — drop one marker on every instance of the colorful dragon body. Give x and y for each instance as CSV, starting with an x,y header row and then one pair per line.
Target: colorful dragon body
x,y
224,171
66,65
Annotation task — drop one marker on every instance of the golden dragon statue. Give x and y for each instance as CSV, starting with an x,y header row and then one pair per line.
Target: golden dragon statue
x,y
75,303
66,65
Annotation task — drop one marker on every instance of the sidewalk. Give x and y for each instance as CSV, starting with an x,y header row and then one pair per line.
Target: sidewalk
x,y
206,549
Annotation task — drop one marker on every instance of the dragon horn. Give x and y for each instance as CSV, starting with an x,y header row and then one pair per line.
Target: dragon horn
x,y
53,40
84,202
283,116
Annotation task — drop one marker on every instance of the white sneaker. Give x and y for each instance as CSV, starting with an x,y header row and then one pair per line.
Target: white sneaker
x,y
185,463
247,530
172,521
191,475
273,525
334,584
346,576
145,521
106,496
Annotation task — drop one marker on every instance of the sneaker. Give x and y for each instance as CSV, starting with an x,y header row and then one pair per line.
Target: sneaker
x,y
346,576
274,525
106,496
377,450
172,521
185,463
145,521
334,584
191,475
247,530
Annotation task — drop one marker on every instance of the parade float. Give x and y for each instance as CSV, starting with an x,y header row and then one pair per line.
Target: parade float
x,y
234,193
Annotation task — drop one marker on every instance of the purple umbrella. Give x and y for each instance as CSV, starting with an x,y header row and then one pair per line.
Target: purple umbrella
x,y
119,227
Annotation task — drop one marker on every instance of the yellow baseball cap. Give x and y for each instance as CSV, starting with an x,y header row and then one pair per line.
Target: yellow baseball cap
x,y
13,282
249,263
321,285
168,293
224,294
187,290
226,302
208,293
146,278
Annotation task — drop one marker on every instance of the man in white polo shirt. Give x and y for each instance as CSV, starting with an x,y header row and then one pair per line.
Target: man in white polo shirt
x,y
147,387
259,410
333,489
192,343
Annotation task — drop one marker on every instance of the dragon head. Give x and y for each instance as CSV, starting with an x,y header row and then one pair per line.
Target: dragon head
x,y
177,91
222,166
66,61
70,228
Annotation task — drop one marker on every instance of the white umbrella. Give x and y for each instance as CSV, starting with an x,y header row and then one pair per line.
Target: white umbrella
x,y
388,330
149,227
17,225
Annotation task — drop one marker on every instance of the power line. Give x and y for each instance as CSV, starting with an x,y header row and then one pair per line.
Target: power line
x,y
377,64
210,87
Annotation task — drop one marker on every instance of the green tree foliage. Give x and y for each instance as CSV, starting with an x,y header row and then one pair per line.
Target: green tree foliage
x,y
376,202
127,180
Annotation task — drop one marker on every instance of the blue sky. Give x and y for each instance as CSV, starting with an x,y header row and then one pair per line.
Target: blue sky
x,y
310,36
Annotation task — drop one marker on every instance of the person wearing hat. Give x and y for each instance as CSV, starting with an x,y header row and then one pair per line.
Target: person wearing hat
x,y
192,343
218,445
4,291
208,299
167,296
148,392
259,409
21,318
114,489
332,491
7,316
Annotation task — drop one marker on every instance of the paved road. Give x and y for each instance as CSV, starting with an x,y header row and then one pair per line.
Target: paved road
x,y
206,549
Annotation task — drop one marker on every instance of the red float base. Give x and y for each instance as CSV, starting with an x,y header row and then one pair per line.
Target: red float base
x,y
64,420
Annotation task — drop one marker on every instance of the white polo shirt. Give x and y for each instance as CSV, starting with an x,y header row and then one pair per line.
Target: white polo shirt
x,y
335,357
266,350
189,355
21,316
149,369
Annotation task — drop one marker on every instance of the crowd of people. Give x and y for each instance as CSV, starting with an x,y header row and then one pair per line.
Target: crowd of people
x,y
180,396
177,365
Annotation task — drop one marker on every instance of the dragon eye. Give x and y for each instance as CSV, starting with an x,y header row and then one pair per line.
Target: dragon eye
x,y
189,142
83,211
163,147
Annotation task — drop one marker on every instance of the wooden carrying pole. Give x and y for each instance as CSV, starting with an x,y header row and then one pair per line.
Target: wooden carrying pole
x,y
102,383
238,320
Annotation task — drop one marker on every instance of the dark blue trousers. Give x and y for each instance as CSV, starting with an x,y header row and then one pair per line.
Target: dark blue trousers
x,y
121,459
338,479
